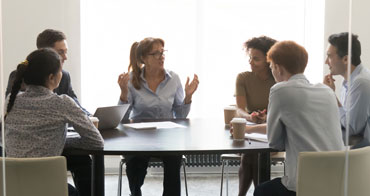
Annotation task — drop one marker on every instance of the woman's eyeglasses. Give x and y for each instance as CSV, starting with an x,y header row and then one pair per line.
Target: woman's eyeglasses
x,y
158,55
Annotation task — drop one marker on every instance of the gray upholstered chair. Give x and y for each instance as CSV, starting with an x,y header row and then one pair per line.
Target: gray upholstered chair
x,y
322,173
35,176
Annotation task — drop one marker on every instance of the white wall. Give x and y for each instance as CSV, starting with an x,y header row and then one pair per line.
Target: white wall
x,y
336,21
23,20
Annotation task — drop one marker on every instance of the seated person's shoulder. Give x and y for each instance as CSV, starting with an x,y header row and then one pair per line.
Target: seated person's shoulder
x,y
65,72
245,77
65,101
324,90
65,75
245,74
361,87
172,73
289,88
322,86
281,86
362,81
174,76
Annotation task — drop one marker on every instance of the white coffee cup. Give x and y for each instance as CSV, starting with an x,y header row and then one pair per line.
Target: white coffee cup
x,y
229,114
238,128
94,120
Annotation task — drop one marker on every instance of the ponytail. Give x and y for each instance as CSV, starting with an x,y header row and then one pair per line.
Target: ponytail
x,y
34,71
135,66
21,68
138,51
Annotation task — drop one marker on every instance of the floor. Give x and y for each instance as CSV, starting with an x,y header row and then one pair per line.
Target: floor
x,y
198,185
202,182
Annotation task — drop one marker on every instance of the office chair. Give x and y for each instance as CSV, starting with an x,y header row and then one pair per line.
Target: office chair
x,y
322,173
35,176
152,159
225,158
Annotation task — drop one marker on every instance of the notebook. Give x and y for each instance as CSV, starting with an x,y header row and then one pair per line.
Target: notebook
x,y
257,136
110,117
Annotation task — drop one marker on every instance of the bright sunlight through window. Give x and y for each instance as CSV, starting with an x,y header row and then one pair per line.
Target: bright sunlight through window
x,y
202,36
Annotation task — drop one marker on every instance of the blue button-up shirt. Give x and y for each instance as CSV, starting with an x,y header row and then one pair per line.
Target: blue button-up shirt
x,y
302,117
356,103
166,103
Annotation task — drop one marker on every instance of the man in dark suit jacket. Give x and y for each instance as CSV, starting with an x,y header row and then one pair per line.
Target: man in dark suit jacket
x,y
79,166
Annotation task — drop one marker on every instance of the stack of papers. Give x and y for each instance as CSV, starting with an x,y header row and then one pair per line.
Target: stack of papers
x,y
257,136
154,125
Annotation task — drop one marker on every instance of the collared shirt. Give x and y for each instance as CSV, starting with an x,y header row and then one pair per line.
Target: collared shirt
x,y
302,117
356,103
36,125
166,103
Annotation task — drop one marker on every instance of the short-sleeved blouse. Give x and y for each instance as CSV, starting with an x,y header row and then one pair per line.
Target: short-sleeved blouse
x,y
255,90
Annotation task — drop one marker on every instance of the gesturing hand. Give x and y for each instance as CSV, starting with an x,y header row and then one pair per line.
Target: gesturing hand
x,y
259,116
190,88
329,81
123,84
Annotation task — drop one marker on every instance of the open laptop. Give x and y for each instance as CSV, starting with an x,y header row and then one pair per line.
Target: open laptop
x,y
110,117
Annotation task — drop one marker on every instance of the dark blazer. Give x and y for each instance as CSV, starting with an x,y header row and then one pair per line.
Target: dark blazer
x,y
65,87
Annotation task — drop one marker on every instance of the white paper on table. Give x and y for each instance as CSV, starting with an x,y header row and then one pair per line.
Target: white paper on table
x,y
250,123
154,125
257,136
72,134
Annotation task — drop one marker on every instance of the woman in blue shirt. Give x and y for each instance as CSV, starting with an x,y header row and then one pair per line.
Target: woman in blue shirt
x,y
154,93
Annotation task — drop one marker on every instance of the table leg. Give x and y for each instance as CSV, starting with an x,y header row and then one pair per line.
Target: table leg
x,y
97,183
264,167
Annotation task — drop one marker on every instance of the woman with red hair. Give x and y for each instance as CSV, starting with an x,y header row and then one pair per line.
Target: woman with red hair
x,y
302,116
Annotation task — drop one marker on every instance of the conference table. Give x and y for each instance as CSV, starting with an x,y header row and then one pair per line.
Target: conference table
x,y
198,136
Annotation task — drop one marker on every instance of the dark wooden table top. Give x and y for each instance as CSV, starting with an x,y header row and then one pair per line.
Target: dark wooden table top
x,y
199,136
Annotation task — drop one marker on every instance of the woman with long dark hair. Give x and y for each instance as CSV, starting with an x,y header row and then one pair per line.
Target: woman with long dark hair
x,y
36,120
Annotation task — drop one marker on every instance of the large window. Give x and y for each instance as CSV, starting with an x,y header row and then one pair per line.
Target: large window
x,y
202,36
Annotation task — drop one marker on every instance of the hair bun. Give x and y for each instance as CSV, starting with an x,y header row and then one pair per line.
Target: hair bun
x,y
25,62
